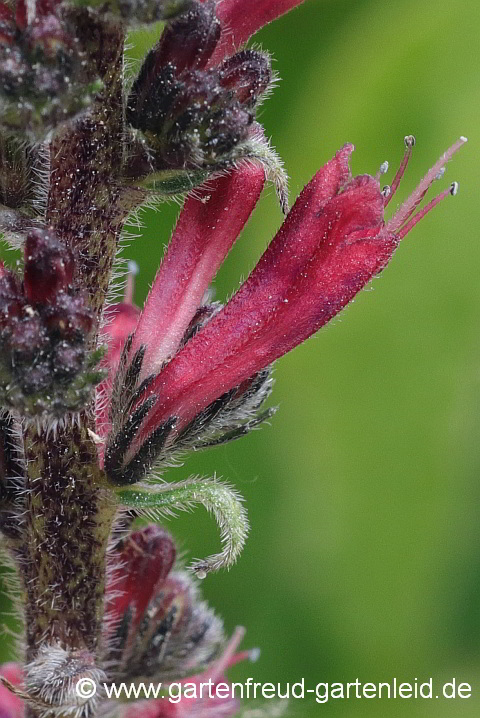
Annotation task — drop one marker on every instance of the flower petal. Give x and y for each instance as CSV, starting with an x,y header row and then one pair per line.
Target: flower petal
x,y
207,227
240,19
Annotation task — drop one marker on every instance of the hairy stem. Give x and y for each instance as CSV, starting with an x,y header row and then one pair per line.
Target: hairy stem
x,y
68,520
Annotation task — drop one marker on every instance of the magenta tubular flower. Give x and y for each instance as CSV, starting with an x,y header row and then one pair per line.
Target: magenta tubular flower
x,y
332,243
240,19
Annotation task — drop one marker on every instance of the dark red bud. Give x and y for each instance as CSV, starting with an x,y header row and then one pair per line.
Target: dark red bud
x,y
28,338
11,299
247,74
189,41
48,267
70,317
146,558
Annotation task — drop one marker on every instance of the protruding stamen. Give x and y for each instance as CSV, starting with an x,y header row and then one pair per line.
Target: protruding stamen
x,y
228,656
133,270
407,209
409,141
425,210
386,190
252,655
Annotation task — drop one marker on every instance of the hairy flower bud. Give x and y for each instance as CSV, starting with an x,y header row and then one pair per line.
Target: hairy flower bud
x,y
189,41
46,368
146,559
45,77
194,117
247,75
48,267
161,628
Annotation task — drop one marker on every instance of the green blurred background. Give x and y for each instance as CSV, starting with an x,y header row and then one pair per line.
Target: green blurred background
x,y
364,493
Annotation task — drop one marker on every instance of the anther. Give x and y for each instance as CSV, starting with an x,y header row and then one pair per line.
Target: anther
x,y
409,141
383,169
254,655
454,188
440,174
133,270
386,190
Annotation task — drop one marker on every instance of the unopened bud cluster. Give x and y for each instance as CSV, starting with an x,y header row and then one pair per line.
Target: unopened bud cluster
x,y
44,74
194,115
45,368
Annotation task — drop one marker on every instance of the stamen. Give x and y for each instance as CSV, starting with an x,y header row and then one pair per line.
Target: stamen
x,y
453,189
252,655
409,141
407,209
133,270
228,656
386,190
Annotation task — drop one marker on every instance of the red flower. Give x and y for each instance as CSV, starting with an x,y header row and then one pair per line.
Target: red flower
x,y
334,240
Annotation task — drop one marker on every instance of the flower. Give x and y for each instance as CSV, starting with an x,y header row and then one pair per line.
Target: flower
x,y
201,371
156,629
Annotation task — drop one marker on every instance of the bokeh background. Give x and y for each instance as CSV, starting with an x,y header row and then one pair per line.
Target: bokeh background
x,y
364,492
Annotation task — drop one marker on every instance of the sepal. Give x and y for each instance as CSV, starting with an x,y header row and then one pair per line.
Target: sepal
x,y
218,498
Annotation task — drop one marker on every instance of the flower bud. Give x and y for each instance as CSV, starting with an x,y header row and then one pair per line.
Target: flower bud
x,y
45,366
48,267
161,627
247,75
194,116
146,558
188,42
